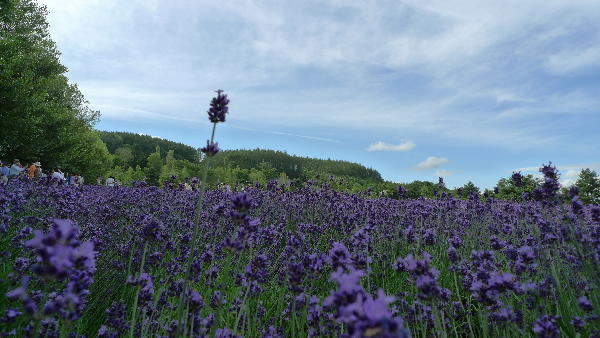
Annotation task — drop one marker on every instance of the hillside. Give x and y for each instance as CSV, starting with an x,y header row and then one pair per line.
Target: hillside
x,y
296,166
131,150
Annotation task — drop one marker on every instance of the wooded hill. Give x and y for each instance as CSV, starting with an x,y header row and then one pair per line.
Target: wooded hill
x,y
131,150
295,167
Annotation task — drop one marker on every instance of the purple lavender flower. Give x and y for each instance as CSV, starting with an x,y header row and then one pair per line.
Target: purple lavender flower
x,y
578,323
363,315
517,179
401,192
218,107
548,190
585,304
211,149
339,257
152,228
546,326
225,333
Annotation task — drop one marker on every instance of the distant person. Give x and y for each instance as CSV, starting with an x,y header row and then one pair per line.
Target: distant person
x,y
16,169
4,169
79,179
98,180
110,181
38,173
73,179
31,170
58,174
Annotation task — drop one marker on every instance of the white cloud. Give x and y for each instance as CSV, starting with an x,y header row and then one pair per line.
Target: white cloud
x,y
567,182
431,162
573,60
572,173
443,173
382,146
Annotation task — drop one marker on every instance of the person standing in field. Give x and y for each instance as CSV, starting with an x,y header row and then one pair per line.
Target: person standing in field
x,y
38,173
79,179
31,170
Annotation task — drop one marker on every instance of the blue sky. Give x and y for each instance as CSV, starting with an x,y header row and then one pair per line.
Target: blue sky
x,y
468,90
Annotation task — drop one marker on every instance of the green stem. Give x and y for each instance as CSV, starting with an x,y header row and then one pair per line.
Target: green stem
x,y
137,293
196,227
239,315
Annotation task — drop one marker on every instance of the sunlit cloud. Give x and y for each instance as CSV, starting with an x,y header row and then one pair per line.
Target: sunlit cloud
x,y
382,146
431,162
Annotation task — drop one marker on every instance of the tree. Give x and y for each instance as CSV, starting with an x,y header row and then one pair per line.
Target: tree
x,y
170,167
588,183
44,117
469,189
154,166
124,156
518,187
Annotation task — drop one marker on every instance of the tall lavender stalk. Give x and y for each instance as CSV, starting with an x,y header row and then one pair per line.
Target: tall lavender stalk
x,y
216,113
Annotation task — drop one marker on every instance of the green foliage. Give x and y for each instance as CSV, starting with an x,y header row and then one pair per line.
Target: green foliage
x,y
44,117
154,166
133,149
295,166
88,157
425,189
588,183
469,189
509,191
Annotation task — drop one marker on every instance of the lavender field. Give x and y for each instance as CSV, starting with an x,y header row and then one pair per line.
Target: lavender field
x,y
128,261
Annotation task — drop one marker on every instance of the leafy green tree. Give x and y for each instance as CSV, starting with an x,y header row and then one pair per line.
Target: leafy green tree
x,y
418,189
88,156
142,146
170,167
257,176
269,172
124,156
468,189
588,183
44,117
510,189
154,166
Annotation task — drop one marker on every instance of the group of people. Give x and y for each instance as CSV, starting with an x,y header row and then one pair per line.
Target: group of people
x,y
35,171
109,182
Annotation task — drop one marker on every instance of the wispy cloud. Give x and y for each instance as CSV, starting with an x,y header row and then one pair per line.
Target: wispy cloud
x,y
431,162
443,173
382,146
316,138
574,60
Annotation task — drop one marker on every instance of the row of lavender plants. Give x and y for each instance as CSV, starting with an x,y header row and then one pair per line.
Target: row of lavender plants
x,y
312,262
143,261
